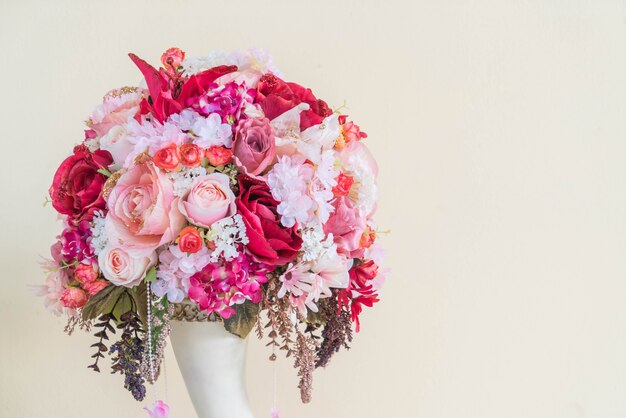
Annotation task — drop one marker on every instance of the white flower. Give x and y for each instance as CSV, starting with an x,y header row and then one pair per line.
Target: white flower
x,y
365,181
175,269
253,60
116,141
315,242
227,234
211,131
289,182
308,282
53,288
99,238
304,192
184,180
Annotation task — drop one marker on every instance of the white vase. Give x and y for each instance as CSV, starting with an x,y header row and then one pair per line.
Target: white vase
x,y
212,362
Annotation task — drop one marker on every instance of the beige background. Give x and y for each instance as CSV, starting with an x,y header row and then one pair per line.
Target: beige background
x,y
500,129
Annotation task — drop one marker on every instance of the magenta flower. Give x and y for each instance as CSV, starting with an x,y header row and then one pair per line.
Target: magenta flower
x,y
75,244
219,286
228,102
159,410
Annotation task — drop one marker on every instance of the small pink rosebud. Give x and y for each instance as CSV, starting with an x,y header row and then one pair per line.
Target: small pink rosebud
x,y
85,273
73,298
172,58
95,287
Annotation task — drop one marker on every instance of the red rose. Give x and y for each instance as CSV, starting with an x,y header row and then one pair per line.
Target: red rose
x,y
76,189
364,272
277,96
270,242
190,155
189,240
218,155
167,158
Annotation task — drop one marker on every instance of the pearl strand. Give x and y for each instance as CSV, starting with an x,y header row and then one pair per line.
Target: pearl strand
x,y
150,356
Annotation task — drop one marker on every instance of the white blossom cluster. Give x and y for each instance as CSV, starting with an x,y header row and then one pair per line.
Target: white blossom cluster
x,y
226,234
183,180
99,239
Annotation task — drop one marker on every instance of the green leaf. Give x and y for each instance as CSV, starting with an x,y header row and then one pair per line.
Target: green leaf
x,y
105,172
138,294
151,275
243,320
125,304
102,302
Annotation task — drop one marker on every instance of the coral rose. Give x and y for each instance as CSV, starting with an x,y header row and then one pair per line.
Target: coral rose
x,y
95,287
143,211
73,298
209,200
253,146
167,158
124,268
218,155
189,240
85,273
190,155
76,189
269,241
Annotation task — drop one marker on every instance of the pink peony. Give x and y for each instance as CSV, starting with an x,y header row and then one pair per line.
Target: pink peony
x,y
347,227
123,268
143,211
117,107
209,200
73,298
254,146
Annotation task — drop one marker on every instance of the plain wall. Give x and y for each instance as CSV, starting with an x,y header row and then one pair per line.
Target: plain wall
x,y
500,130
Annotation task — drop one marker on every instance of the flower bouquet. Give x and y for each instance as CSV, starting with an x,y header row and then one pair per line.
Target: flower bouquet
x,y
218,187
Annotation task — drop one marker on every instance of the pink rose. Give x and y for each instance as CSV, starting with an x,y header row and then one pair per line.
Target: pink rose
x,y
209,200
85,273
143,211
73,298
123,268
347,227
117,107
254,146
